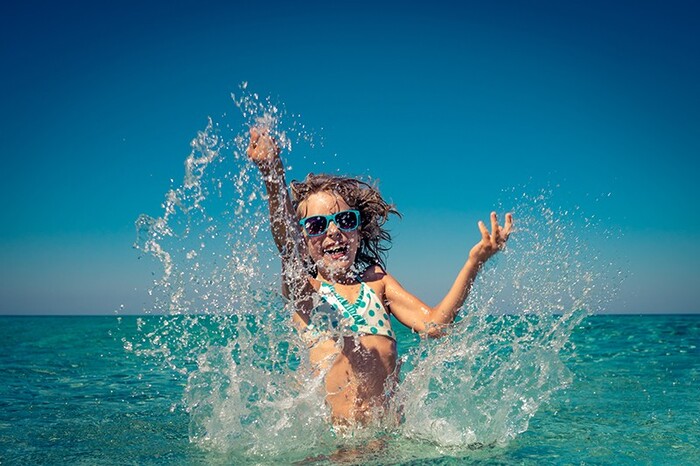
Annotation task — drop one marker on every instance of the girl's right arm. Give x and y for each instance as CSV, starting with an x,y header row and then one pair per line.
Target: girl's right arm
x,y
264,152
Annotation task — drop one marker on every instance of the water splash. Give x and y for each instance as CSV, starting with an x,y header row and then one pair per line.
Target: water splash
x,y
218,321
503,360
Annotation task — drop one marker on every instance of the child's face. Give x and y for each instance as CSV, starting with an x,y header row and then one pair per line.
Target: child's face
x,y
333,251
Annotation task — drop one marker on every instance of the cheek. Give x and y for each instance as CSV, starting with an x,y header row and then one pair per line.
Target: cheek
x,y
355,240
313,245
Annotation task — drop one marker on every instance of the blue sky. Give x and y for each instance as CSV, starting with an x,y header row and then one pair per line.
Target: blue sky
x,y
102,100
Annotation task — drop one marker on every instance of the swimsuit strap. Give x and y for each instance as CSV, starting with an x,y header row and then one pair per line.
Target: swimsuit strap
x,y
350,309
367,315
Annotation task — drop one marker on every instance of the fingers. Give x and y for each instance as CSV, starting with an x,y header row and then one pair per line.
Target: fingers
x,y
498,234
258,135
494,228
254,137
264,136
508,226
262,145
491,242
485,236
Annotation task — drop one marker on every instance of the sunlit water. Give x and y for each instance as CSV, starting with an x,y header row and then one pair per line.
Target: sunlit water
x,y
250,391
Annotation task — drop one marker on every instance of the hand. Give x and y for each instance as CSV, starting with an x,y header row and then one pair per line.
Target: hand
x,y
263,149
492,242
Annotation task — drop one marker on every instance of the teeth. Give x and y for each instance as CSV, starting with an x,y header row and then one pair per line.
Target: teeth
x,y
339,249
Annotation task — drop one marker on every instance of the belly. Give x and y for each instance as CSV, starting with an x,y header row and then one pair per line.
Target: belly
x,y
361,378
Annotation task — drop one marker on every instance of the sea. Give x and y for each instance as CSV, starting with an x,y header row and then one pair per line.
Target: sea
x,y
73,391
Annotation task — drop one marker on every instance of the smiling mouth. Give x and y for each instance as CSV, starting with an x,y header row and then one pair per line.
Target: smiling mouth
x,y
337,252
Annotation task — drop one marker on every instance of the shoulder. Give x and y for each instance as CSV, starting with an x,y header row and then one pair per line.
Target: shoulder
x,y
373,273
307,299
376,278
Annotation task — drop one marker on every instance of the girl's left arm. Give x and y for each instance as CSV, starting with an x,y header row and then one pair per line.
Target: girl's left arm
x,y
415,314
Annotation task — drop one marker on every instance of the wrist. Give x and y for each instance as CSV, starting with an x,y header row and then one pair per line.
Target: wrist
x,y
475,261
270,168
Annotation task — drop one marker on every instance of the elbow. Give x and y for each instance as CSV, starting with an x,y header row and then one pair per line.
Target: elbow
x,y
433,330
436,325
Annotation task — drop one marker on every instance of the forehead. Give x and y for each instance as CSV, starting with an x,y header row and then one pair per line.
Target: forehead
x,y
323,203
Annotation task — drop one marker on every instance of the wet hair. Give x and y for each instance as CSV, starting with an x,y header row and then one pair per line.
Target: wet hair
x,y
375,240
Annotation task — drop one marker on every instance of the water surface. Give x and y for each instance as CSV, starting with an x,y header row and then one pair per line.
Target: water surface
x,y
71,394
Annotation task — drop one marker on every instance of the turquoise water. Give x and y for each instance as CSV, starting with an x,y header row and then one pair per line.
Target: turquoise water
x,y
72,394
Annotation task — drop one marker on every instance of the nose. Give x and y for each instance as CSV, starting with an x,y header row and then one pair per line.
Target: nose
x,y
332,228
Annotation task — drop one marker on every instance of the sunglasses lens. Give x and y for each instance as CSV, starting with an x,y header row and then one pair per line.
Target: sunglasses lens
x,y
315,225
346,220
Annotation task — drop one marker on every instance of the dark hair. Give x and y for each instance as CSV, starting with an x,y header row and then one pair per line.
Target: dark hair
x,y
375,240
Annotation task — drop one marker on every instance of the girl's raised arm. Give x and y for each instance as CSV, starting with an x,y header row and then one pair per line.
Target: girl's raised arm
x,y
413,313
286,231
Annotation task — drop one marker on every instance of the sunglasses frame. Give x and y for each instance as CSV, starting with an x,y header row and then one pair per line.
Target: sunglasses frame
x,y
329,218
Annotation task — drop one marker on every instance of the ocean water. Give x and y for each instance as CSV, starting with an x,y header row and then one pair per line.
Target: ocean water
x,y
73,391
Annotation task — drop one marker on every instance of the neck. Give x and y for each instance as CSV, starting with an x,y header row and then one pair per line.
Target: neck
x,y
343,277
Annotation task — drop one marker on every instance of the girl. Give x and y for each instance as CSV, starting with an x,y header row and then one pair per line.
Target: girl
x,y
330,237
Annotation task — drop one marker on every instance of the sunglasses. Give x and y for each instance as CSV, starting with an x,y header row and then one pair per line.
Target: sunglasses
x,y
346,220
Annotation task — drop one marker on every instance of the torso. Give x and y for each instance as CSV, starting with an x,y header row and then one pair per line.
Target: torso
x,y
361,367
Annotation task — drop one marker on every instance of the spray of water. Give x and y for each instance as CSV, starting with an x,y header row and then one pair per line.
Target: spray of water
x,y
503,359
219,322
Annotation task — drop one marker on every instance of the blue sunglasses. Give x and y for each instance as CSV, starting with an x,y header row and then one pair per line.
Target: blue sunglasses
x,y
316,225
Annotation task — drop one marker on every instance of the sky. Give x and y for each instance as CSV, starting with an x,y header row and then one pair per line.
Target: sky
x,y
447,103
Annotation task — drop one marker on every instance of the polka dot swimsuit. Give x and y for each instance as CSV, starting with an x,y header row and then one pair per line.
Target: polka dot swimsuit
x,y
366,316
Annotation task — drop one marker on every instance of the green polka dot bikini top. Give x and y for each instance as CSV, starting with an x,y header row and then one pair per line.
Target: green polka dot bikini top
x,y
367,315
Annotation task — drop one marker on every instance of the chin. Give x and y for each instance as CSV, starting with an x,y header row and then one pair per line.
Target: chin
x,y
334,266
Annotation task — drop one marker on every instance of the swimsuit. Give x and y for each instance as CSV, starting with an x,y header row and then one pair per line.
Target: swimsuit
x,y
367,316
